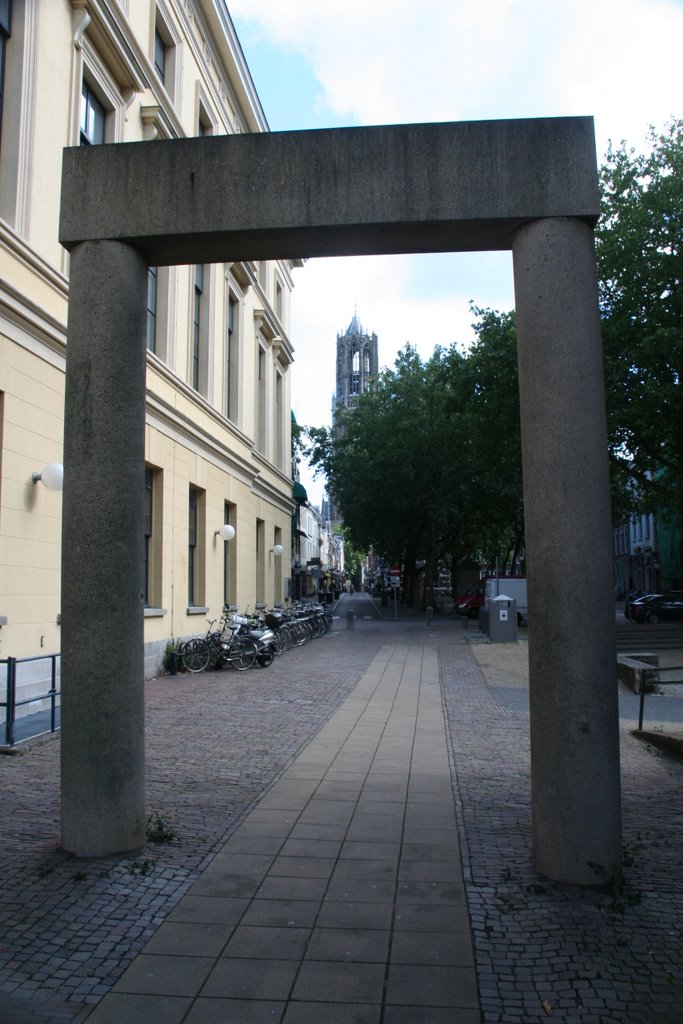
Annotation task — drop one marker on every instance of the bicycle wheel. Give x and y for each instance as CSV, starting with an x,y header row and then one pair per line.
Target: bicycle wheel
x,y
266,657
196,654
242,653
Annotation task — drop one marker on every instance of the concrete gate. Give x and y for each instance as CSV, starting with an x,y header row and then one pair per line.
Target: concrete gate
x,y
527,185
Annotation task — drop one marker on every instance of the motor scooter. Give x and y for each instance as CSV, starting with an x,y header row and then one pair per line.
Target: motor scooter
x,y
264,638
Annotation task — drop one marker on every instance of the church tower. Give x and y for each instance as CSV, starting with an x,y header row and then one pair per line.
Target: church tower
x,y
357,364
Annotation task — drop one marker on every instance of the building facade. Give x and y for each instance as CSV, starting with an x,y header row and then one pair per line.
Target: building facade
x,y
636,559
217,443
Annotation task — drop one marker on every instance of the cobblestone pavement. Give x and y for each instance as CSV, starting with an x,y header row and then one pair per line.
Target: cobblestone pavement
x,y
69,929
543,949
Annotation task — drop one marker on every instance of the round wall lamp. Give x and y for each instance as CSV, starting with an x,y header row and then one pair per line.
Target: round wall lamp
x,y
226,532
52,476
277,550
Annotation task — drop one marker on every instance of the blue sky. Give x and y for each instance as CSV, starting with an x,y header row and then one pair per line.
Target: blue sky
x,y
353,62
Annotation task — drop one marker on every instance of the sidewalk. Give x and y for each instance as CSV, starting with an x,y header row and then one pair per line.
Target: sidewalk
x,y
316,873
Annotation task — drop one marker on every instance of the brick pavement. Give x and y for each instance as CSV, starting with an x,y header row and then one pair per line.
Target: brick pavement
x,y
584,956
70,929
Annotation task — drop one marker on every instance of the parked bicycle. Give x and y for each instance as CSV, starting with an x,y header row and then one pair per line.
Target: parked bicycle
x,y
222,646
246,640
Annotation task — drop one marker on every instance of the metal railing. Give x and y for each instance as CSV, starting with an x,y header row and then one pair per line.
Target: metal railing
x,y
11,703
653,676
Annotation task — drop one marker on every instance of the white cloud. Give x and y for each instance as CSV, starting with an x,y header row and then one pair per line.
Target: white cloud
x,y
384,61
392,61
381,290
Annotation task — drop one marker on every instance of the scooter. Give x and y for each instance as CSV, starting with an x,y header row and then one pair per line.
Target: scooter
x,y
263,638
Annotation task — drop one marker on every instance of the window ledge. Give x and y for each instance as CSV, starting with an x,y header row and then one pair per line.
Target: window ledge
x,y
195,609
154,613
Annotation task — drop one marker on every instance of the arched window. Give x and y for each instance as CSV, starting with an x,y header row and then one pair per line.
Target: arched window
x,y
355,372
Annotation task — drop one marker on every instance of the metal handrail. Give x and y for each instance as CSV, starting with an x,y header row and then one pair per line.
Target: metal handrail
x,y
11,703
649,677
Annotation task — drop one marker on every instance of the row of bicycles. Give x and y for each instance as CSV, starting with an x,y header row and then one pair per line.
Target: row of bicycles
x,y
245,641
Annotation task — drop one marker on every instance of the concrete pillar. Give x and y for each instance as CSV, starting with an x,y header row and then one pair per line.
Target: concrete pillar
x,y
102,731
576,810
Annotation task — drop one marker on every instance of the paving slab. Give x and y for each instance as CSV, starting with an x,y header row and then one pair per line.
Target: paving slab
x,y
403,723
318,914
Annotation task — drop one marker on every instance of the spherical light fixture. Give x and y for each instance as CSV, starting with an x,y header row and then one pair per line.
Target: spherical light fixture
x,y
226,532
52,476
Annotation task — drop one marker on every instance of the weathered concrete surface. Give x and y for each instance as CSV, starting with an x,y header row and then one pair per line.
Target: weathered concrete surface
x,y
528,185
567,515
103,799
347,191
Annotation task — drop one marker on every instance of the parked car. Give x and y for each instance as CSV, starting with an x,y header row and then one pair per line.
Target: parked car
x,y
658,608
469,604
635,598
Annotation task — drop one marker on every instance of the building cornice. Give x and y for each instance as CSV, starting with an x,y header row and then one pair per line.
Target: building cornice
x,y
107,26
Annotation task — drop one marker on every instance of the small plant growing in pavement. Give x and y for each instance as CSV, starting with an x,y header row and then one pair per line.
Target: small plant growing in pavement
x,y
140,867
159,829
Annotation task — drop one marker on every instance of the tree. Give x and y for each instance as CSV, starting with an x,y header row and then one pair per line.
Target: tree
x,y
489,400
427,468
640,268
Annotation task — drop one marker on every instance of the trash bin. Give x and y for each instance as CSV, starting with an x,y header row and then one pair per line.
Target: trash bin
x,y
502,616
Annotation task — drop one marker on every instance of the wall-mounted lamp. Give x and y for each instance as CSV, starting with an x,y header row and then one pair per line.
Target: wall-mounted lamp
x,y
226,532
277,550
52,476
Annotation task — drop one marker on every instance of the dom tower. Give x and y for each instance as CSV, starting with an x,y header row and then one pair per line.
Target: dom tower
x,y
357,364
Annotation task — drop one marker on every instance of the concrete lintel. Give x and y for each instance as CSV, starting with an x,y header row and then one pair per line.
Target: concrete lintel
x,y
464,186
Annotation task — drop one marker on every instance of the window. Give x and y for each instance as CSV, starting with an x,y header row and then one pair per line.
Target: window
x,y
279,301
355,373
159,55
229,560
152,283
261,400
92,118
195,548
153,536
164,47
5,32
149,506
197,325
260,562
232,358
277,583
2,420
279,421
205,124
192,549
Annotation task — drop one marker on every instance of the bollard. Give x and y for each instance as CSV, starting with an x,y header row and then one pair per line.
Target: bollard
x,y
349,620
428,615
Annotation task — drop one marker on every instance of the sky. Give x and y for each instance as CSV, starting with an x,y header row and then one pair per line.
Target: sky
x,y
363,62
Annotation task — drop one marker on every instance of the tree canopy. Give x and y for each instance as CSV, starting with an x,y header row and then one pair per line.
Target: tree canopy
x,y
640,269
428,467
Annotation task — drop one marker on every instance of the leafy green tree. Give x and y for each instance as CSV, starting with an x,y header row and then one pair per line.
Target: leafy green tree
x,y
489,401
425,470
428,467
640,268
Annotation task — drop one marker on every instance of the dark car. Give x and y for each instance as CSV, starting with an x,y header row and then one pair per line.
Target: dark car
x,y
635,598
658,608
